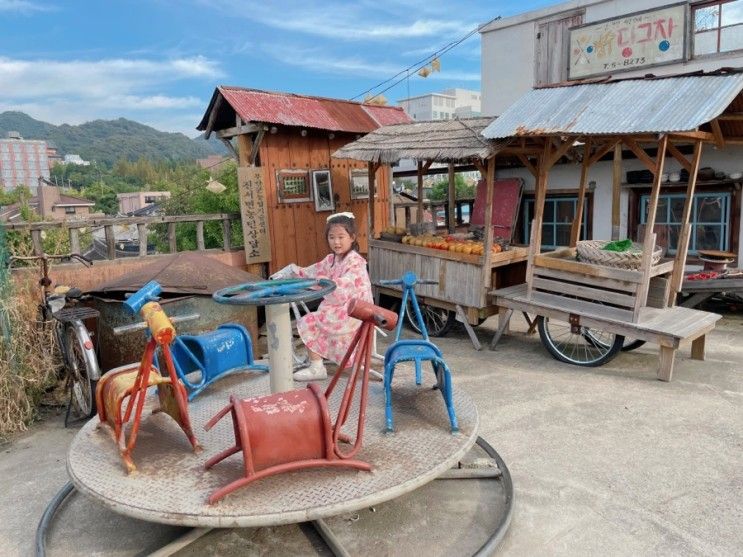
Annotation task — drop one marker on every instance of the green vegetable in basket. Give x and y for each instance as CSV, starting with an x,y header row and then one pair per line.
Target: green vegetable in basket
x,y
618,245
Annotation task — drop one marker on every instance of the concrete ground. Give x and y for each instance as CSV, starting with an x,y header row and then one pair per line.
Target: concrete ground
x,y
605,461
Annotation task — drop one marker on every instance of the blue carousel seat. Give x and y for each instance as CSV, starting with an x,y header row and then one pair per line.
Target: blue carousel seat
x,y
214,354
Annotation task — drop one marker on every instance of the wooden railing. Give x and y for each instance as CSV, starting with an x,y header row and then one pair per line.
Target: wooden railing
x,y
107,223
410,208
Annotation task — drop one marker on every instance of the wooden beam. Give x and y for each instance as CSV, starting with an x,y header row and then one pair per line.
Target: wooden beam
x,y
641,154
527,164
419,213
559,153
256,146
213,116
731,116
480,167
703,136
487,271
601,151
372,174
578,220
677,278
616,190
237,130
717,132
244,149
679,156
452,198
654,193
227,143
427,165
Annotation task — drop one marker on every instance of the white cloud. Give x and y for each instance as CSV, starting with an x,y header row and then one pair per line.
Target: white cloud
x,y
342,20
78,91
317,61
22,6
41,78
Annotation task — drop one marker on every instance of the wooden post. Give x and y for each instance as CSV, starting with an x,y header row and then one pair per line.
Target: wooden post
x,y
451,223
488,240
142,235
540,195
677,278
36,241
172,240
578,219
372,173
655,192
616,190
226,234
110,241
419,216
74,240
244,149
200,245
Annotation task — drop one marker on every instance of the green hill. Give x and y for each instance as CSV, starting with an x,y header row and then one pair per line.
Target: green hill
x,y
107,141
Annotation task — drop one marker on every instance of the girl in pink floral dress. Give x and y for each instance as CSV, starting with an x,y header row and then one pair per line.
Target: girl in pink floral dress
x,y
328,332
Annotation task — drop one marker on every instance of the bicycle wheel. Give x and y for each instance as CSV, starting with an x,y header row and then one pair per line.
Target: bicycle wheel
x,y
629,344
82,386
586,347
438,321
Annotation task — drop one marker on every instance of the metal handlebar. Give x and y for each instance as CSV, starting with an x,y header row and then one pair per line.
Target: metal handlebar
x,y
142,325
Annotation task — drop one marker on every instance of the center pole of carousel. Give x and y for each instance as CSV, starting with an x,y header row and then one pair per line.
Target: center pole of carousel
x,y
280,347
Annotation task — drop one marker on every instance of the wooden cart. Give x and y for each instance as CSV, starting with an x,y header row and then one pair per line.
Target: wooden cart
x,y
464,280
586,311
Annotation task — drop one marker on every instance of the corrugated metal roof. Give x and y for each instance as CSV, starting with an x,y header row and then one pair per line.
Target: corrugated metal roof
x,y
659,105
309,112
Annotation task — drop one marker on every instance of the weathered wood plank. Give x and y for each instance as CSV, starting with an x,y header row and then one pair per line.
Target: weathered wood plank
x,y
117,221
226,235
142,236
601,282
587,269
172,239
582,291
74,240
200,245
110,242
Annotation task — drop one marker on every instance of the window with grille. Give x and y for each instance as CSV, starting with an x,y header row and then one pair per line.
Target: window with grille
x,y
69,210
718,27
559,213
710,220
293,186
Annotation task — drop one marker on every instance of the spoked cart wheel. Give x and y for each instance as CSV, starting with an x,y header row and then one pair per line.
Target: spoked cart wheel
x,y
82,384
578,345
438,321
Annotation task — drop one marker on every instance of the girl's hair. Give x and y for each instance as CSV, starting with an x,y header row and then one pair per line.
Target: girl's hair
x,y
348,223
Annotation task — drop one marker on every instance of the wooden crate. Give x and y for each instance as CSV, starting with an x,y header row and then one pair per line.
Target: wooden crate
x,y
601,289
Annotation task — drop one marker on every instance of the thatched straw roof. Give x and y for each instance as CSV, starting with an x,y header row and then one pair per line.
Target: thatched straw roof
x,y
441,140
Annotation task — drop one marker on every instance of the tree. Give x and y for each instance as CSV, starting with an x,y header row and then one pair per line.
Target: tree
x,y
439,191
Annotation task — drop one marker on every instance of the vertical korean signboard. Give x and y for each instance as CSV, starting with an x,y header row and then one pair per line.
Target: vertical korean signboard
x,y
254,214
629,42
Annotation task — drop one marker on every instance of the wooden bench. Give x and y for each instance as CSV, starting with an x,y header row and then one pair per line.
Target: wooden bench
x,y
666,327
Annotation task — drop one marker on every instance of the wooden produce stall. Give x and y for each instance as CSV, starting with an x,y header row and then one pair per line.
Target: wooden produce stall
x,y
463,279
588,311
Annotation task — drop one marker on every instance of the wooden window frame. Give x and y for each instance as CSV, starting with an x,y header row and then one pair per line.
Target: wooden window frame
x,y
735,207
331,201
552,195
282,175
718,30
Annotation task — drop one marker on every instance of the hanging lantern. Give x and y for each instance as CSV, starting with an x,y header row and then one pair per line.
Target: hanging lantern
x,y
424,71
215,187
436,65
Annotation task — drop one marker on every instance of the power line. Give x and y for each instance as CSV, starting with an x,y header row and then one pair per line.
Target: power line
x,y
421,63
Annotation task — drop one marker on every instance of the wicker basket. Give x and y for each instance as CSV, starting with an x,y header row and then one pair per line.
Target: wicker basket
x,y
590,251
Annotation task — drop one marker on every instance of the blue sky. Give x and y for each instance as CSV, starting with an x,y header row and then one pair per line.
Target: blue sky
x,y
158,61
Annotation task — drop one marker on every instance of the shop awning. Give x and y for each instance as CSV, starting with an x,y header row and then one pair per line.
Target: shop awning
x,y
631,106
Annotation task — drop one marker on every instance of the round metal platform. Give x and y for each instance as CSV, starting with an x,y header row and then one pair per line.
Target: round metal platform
x,y
171,486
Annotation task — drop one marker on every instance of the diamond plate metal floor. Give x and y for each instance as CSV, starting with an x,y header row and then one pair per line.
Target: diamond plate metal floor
x,y
171,485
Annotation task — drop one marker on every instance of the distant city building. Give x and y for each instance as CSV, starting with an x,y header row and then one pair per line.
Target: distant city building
x,y
51,204
446,105
75,159
22,162
134,201
52,155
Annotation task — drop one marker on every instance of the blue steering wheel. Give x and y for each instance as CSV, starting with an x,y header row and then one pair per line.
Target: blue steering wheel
x,y
269,292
